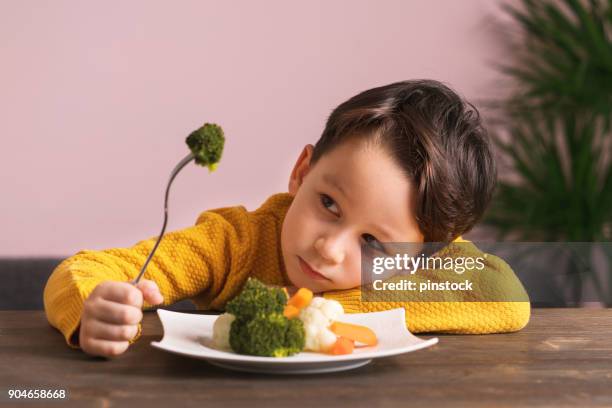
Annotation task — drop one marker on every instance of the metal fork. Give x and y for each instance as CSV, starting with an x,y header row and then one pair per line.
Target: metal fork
x,y
178,168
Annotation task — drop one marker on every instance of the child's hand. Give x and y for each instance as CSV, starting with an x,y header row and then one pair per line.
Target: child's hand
x,y
111,315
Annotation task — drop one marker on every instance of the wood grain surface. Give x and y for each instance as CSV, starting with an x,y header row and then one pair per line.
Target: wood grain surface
x,y
562,358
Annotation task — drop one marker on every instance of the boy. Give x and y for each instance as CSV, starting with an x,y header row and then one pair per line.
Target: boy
x,y
406,162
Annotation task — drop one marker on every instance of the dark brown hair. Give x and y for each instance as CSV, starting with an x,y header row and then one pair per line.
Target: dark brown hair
x,y
438,141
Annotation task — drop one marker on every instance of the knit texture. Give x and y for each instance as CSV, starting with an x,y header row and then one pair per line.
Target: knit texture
x,y
210,261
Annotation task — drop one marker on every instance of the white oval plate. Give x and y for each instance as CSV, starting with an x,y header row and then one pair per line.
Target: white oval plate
x,y
191,335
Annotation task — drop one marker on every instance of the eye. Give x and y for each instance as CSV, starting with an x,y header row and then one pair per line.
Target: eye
x,y
327,202
373,242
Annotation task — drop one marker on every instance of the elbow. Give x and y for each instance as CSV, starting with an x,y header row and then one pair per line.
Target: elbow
x,y
513,316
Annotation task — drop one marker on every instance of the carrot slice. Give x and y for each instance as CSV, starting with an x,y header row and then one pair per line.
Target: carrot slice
x,y
291,311
301,299
342,346
354,332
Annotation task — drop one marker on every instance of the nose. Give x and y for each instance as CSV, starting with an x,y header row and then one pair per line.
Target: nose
x,y
330,249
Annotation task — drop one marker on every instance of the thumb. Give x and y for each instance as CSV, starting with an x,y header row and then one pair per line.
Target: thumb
x,y
150,291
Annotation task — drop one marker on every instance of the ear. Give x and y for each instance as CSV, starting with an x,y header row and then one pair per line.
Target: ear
x,y
301,168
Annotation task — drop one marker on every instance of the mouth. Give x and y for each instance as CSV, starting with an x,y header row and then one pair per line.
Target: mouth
x,y
311,272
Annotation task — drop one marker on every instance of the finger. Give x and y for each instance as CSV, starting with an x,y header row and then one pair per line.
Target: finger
x,y
105,331
150,291
121,292
106,348
153,298
112,312
147,285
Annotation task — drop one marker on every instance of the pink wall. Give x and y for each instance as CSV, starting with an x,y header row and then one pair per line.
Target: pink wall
x,y
97,98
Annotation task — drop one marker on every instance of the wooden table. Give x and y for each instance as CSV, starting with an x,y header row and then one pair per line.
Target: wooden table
x,y
563,358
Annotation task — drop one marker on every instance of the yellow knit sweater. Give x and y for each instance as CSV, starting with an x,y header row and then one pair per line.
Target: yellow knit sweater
x,y
209,262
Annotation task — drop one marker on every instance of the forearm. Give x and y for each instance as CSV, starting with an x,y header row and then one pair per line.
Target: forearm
x,y
66,290
498,302
445,317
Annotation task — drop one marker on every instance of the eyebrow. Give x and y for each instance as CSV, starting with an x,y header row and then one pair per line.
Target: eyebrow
x,y
329,179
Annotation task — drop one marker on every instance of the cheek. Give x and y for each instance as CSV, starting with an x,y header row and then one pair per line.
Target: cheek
x,y
353,269
305,222
298,226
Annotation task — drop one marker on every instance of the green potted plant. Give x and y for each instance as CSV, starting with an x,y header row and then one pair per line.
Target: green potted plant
x,y
559,140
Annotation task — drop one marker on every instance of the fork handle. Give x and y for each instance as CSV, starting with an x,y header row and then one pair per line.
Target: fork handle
x,y
178,168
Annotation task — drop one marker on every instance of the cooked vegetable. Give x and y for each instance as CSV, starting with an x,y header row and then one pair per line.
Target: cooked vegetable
x,y
291,312
221,331
256,298
206,144
301,299
261,321
342,346
297,302
355,332
259,327
317,317
271,335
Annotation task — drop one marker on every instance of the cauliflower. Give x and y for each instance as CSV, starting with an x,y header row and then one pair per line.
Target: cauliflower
x,y
317,317
221,331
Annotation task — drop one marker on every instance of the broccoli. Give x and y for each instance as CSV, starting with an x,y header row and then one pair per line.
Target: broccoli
x,y
295,336
256,298
271,335
206,144
259,327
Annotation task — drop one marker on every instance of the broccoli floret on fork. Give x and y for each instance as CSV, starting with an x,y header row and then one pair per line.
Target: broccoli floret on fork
x,y
206,144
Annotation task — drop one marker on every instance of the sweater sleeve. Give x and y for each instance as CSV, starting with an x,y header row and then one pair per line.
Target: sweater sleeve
x,y
470,314
193,262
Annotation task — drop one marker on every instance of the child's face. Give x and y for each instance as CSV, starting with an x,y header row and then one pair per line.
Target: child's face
x,y
325,227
